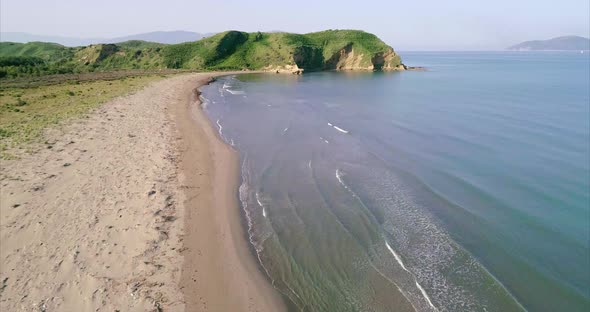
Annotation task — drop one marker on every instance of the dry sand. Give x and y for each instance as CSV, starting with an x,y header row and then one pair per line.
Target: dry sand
x,y
132,209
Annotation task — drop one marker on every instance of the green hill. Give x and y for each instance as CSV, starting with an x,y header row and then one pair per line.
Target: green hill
x,y
231,50
326,50
44,50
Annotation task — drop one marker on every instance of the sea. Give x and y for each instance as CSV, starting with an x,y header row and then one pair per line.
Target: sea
x,y
462,187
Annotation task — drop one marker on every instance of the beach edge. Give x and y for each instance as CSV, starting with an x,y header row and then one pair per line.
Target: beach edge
x,y
218,272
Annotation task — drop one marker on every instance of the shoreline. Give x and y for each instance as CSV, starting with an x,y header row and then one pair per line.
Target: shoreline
x,y
215,236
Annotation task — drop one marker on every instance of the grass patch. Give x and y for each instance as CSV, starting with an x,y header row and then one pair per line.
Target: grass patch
x,y
26,112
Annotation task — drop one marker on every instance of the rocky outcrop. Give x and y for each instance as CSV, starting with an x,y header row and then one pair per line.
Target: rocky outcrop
x,y
96,53
312,59
347,59
284,69
388,61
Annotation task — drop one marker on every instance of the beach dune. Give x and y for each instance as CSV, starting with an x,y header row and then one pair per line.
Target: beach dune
x,y
132,209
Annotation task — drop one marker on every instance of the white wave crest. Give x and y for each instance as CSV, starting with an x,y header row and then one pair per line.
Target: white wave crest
x,y
338,128
338,176
261,205
204,101
243,194
220,128
234,92
426,296
397,258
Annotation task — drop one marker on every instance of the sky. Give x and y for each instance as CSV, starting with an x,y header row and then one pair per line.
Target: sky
x,y
405,25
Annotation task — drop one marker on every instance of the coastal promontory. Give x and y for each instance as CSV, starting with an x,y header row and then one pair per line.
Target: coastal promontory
x,y
230,50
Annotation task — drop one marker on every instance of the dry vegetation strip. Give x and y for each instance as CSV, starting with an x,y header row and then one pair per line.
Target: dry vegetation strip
x,y
30,82
26,112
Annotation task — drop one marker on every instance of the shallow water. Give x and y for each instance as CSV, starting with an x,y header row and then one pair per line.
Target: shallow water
x,y
465,187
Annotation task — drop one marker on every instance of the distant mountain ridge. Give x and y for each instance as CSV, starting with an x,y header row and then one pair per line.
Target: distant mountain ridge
x,y
167,37
565,43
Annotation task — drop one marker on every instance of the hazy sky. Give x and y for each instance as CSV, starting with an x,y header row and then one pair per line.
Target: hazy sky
x,y
406,25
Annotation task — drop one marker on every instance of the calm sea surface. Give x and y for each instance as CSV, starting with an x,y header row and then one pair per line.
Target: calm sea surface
x,y
461,188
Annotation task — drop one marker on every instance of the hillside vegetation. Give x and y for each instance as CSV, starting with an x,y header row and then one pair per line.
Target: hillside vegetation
x,y
231,50
26,112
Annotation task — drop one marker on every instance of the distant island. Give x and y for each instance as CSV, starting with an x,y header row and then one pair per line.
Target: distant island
x,y
566,43
230,50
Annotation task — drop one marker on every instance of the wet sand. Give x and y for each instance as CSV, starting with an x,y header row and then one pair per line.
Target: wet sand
x,y
219,272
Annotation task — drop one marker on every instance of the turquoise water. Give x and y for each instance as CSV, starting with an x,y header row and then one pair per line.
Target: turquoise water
x,y
461,188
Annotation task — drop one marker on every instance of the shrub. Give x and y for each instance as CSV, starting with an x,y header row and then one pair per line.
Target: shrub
x,y
258,36
20,61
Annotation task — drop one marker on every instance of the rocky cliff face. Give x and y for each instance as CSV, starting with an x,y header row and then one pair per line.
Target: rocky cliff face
x,y
347,58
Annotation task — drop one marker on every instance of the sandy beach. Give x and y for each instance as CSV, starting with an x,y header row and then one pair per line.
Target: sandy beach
x,y
132,209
